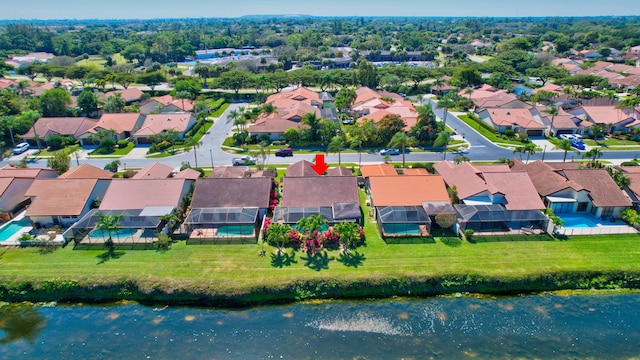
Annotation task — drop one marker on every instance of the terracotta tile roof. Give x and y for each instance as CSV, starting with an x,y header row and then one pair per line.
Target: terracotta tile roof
x,y
301,94
129,95
565,165
549,87
495,101
563,120
547,181
86,171
59,197
125,194
364,93
168,100
157,123
302,168
514,117
485,91
630,169
378,170
339,171
117,122
10,171
264,173
634,186
319,191
154,171
407,190
66,126
517,188
4,185
464,177
292,109
234,193
603,190
188,173
273,124
230,172
603,114
416,171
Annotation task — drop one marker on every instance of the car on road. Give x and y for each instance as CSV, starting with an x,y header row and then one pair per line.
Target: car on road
x,y
578,145
244,161
384,152
284,152
20,148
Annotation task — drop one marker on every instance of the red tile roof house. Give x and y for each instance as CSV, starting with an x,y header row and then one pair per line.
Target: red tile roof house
x,y
129,95
237,172
301,168
563,123
160,123
64,126
154,171
591,191
14,183
289,114
86,171
165,104
496,187
520,120
610,115
407,205
122,124
228,210
335,198
62,201
301,94
374,105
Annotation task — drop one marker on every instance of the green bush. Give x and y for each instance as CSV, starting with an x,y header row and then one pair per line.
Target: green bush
x,y
123,143
57,142
468,234
107,145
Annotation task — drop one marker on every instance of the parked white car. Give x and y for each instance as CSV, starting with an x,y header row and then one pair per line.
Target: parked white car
x,y
569,137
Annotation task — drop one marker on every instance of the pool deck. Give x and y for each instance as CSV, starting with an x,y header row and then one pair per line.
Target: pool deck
x,y
602,226
13,239
136,238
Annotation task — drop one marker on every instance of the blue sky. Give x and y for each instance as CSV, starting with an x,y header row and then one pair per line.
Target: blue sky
x,y
144,9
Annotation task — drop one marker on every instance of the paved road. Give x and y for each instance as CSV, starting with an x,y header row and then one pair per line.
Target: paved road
x,y
480,149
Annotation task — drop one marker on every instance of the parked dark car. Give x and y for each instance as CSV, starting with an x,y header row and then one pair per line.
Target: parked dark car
x,y
284,152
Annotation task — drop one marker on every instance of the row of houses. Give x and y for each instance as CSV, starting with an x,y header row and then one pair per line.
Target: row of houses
x,y
138,126
230,205
502,111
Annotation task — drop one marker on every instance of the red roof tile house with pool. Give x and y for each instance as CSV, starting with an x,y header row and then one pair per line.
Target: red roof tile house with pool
x,y
228,210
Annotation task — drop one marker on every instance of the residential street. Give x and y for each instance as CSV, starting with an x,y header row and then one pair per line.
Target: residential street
x,y
480,149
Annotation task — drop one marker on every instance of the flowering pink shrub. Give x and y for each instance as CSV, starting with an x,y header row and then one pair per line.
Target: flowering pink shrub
x,y
267,223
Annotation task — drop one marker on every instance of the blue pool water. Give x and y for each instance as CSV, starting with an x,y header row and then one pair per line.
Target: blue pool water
x,y
12,228
241,230
401,229
519,90
121,233
577,222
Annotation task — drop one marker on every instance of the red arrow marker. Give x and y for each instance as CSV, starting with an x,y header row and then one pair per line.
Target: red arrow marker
x,y
320,167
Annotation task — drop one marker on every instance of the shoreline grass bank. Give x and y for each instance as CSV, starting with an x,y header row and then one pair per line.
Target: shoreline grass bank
x,y
71,291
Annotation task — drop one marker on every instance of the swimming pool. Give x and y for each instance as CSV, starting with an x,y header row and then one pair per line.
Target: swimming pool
x,y
400,229
238,230
574,221
519,90
13,227
119,234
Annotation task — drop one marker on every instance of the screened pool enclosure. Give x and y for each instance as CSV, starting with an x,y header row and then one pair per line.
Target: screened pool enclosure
x,y
495,218
216,223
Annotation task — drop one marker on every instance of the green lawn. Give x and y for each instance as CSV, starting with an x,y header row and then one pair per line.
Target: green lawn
x,y
611,142
237,268
117,152
220,110
68,150
486,133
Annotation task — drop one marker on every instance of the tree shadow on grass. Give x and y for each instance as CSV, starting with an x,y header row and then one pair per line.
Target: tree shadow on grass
x,y
351,259
451,241
280,260
109,255
317,261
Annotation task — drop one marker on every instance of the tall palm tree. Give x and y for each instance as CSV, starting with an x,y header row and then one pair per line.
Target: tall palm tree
x,y
553,111
442,140
400,140
593,155
336,144
195,144
172,135
447,102
566,146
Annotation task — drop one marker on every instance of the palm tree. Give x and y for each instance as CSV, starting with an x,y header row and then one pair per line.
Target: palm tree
x,y
172,135
9,122
442,140
529,149
313,121
553,111
357,141
195,144
400,140
566,146
447,102
593,155
233,115
336,144
109,223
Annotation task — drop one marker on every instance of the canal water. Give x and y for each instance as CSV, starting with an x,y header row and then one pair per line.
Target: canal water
x,y
537,326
